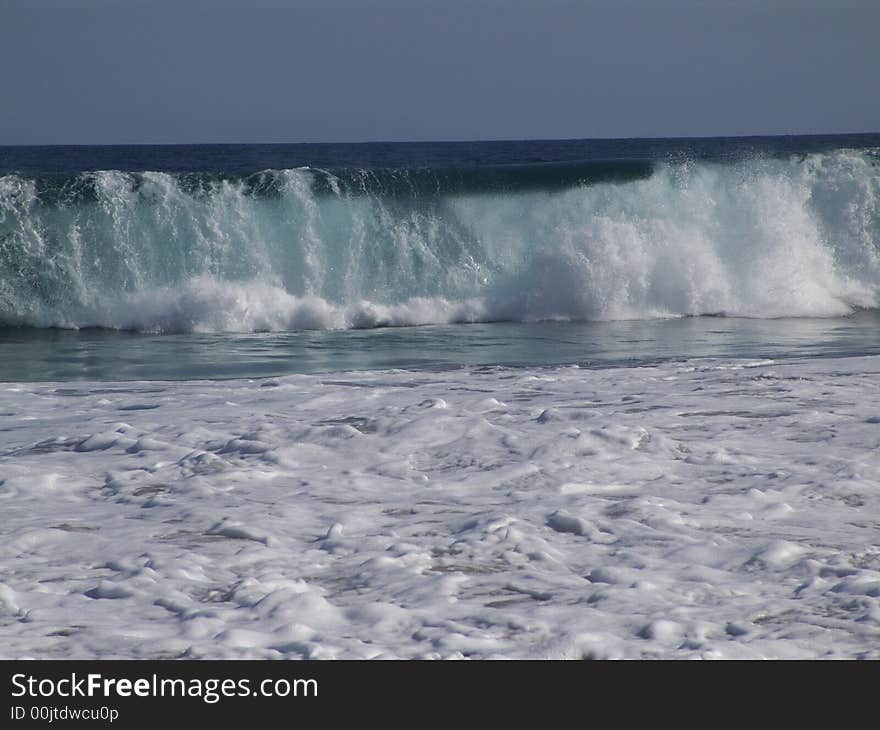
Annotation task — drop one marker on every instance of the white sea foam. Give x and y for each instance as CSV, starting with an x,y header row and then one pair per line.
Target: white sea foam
x,y
718,509
205,304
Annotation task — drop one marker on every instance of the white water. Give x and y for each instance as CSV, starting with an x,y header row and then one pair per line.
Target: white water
x,y
716,509
757,238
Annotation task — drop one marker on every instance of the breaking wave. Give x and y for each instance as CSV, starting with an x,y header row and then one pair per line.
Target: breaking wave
x,y
311,249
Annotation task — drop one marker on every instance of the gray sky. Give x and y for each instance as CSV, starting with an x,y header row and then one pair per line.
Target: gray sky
x,y
151,71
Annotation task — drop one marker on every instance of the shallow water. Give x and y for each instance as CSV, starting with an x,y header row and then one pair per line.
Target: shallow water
x,y
61,355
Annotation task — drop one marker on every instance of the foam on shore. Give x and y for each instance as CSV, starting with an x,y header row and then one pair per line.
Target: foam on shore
x,y
717,509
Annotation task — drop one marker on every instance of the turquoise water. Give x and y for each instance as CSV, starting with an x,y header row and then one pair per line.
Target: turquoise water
x,y
58,355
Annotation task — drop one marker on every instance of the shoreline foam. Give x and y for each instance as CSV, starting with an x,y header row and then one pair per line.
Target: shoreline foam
x,y
713,508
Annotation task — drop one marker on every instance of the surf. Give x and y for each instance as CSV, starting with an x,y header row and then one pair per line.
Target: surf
x,y
304,248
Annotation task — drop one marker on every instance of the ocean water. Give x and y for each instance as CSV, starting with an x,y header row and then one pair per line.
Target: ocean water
x,y
579,399
223,261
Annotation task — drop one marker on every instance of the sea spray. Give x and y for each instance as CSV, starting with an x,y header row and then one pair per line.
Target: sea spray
x,y
313,249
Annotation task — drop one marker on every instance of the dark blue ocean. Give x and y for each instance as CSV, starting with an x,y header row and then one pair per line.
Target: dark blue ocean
x,y
218,261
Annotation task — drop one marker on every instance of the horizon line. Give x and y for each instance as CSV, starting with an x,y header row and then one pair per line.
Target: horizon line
x,y
445,141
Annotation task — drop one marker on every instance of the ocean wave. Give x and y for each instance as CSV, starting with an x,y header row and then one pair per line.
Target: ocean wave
x,y
309,249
